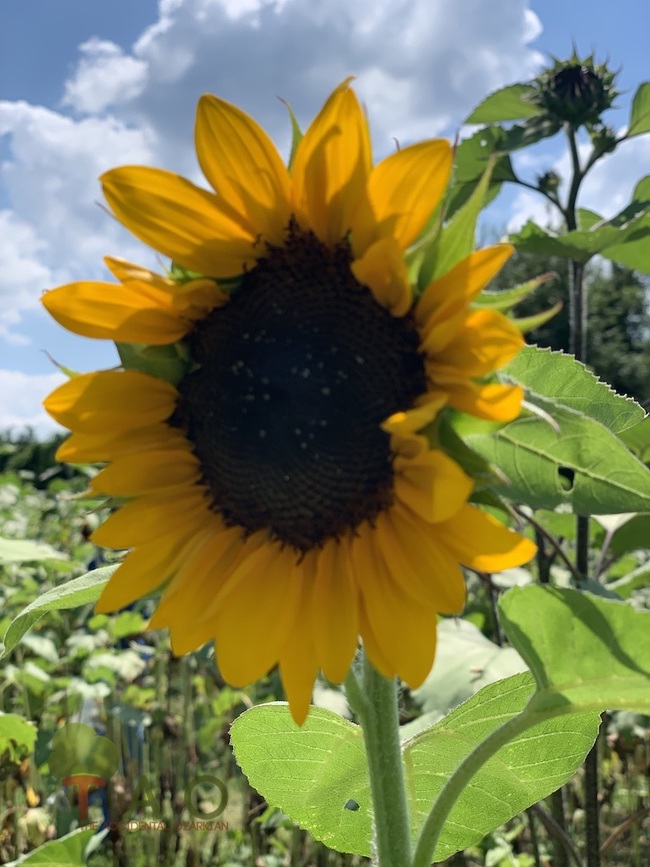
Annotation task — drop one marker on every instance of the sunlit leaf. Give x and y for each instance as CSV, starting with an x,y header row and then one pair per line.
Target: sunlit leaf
x,y
640,114
565,381
508,103
27,551
73,594
586,466
67,851
585,653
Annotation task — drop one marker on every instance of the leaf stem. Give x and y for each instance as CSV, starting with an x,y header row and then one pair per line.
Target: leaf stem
x,y
375,703
455,785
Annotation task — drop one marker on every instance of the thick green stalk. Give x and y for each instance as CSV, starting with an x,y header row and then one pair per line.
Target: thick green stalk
x,y
375,704
578,337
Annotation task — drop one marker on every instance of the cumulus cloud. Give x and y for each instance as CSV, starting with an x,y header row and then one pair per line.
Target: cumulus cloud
x,y
21,396
53,230
104,75
420,66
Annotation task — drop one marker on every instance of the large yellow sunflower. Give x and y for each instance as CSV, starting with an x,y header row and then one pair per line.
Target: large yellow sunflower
x,y
282,492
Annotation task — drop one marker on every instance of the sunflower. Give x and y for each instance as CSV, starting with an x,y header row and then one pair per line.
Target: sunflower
x,y
283,491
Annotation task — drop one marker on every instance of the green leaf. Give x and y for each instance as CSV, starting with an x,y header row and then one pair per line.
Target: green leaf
x,y
473,155
127,623
640,114
634,580
586,466
508,103
632,536
17,737
531,238
68,851
637,439
310,772
456,239
73,594
27,551
524,771
624,239
587,219
585,653
559,377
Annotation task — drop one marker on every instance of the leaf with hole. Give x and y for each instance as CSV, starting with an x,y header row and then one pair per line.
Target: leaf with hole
x,y
586,466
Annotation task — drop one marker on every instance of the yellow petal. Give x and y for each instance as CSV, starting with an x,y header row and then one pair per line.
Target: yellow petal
x,y
126,271
81,448
190,225
382,269
335,610
372,648
432,485
298,668
258,614
412,420
197,298
111,399
492,402
144,569
479,541
465,280
143,472
243,165
405,630
405,188
419,563
112,312
486,342
152,517
208,560
332,166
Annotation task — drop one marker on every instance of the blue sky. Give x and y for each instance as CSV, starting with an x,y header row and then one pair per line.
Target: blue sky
x,y
86,85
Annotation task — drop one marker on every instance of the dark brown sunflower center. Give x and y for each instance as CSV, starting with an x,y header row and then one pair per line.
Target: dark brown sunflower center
x,y
295,375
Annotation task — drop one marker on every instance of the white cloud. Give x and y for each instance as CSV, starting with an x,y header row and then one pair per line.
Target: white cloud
x,y
104,74
21,396
420,66
53,230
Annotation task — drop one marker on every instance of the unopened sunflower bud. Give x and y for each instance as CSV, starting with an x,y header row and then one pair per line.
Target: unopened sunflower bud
x,y
575,91
549,181
603,140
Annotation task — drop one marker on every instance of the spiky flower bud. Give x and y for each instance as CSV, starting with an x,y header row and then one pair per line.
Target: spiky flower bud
x,y
549,181
603,139
575,91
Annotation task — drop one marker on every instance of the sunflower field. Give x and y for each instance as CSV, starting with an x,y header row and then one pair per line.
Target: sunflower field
x,y
334,567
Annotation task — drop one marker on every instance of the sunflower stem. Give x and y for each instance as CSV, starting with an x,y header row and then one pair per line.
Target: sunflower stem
x,y
378,715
